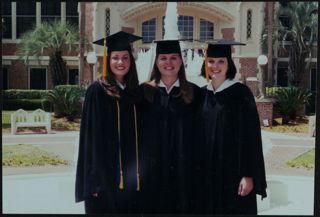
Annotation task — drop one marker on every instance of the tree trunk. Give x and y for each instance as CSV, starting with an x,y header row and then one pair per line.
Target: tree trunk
x,y
58,68
297,68
81,44
270,6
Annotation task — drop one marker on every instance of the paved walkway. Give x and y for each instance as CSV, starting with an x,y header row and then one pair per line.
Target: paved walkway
x,y
51,189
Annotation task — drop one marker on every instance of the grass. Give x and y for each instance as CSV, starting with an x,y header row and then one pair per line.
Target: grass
x,y
6,118
28,155
57,123
299,126
64,124
305,160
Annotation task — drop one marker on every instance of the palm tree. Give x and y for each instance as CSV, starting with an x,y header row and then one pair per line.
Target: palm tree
x,y
53,37
302,32
295,22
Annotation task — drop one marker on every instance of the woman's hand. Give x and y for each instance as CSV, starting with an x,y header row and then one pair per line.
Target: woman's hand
x,y
95,194
245,186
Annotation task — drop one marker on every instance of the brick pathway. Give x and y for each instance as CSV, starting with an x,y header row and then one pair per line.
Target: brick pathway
x,y
284,150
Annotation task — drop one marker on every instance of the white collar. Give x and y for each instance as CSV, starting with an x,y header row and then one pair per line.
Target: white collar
x,y
176,84
227,83
122,86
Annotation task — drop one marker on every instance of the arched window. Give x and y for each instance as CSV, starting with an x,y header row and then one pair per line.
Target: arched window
x,y
107,27
206,30
249,23
149,30
185,26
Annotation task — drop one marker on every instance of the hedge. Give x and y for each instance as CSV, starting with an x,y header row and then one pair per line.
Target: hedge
x,y
26,104
77,88
24,94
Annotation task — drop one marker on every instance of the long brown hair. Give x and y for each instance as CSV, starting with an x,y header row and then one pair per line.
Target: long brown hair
x,y
130,79
186,90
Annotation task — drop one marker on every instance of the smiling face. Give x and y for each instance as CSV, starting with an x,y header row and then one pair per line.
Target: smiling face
x,y
120,64
217,68
169,64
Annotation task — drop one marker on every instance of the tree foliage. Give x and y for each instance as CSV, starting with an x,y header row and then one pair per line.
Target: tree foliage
x,y
52,39
296,23
301,29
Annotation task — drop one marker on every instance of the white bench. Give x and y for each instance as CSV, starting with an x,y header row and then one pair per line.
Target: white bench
x,y
37,118
312,126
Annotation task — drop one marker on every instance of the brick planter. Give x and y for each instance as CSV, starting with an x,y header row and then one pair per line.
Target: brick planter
x,y
265,110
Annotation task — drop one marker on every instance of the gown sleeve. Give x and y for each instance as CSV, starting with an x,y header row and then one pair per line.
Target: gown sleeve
x,y
88,175
250,148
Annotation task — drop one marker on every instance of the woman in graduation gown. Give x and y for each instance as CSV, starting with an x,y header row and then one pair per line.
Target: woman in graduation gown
x,y
167,115
107,176
229,150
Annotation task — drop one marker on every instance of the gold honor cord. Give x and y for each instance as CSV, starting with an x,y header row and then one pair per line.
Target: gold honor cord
x,y
121,186
206,65
137,155
120,160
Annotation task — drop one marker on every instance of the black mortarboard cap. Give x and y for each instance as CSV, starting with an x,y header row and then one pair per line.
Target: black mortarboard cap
x,y
221,48
168,46
119,41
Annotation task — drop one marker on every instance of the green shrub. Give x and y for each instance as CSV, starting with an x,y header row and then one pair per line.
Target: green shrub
x,y
66,100
26,104
289,100
311,107
271,91
24,94
76,88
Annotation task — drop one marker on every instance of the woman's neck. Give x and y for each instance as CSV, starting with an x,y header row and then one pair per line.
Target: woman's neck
x,y
120,80
169,81
216,83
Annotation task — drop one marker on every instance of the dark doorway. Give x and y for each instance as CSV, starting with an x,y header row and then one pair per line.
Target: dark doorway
x,y
38,78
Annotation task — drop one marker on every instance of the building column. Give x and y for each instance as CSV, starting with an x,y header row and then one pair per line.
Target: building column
x,y
14,20
38,13
63,12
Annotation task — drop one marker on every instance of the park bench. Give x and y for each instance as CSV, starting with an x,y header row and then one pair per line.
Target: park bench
x,y
37,118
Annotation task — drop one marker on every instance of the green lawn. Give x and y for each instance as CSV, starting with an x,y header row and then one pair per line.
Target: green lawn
x,y
28,155
6,118
305,160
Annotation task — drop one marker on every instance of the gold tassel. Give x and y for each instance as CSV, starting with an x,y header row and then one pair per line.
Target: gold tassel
x,y
121,180
138,182
206,65
104,69
120,160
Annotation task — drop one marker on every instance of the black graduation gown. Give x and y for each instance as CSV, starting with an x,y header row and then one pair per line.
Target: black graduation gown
x,y
229,148
98,160
166,139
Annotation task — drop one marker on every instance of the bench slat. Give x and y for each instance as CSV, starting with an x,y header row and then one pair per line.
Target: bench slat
x,y
37,118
